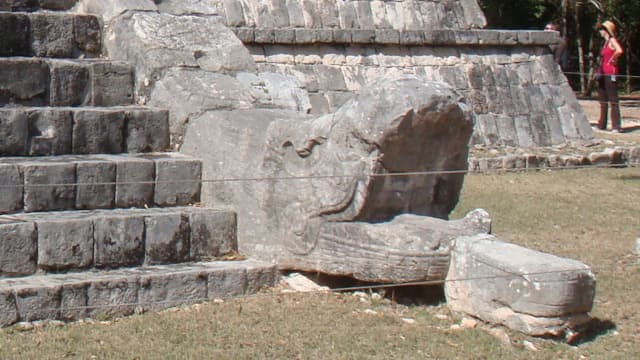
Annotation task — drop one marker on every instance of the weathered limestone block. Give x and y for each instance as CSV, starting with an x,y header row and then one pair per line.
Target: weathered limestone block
x,y
113,8
73,298
16,29
526,290
69,84
177,179
8,310
65,243
225,283
11,198
146,130
96,187
18,248
111,84
134,182
50,132
87,34
38,302
24,81
49,186
167,238
372,134
98,132
114,295
188,92
155,42
189,7
419,247
119,241
160,291
213,234
52,35
14,132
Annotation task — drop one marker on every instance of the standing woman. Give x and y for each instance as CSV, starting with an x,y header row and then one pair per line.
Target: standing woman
x,y
607,86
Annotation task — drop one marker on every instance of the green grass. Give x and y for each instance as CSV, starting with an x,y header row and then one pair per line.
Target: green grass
x,y
590,215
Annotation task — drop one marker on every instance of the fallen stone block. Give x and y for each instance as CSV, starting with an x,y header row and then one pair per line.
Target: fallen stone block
x,y
536,293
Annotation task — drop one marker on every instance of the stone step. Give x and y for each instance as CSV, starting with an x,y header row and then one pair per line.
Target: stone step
x,y
32,184
43,131
35,5
57,82
50,34
74,296
107,239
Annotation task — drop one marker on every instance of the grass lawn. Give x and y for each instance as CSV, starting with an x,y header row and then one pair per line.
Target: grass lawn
x,y
589,215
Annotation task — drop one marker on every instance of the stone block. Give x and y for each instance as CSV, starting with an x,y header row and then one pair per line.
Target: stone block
x,y
73,299
52,35
178,179
234,15
25,81
65,243
18,248
57,5
115,295
50,132
363,36
11,189
16,29
342,36
119,241
87,32
111,84
49,186
146,131
411,37
259,277
167,238
96,187
296,13
213,234
38,301
134,182
285,36
161,291
525,290
387,36
69,84
8,309
265,36
98,132
246,35
226,283
14,132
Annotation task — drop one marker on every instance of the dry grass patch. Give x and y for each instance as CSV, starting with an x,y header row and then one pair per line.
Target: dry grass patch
x,y
590,215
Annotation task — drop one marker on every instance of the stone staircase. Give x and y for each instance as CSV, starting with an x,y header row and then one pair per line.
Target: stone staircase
x,y
96,216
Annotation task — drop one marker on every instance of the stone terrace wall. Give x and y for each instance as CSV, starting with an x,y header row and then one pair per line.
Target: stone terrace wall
x,y
510,79
342,14
327,50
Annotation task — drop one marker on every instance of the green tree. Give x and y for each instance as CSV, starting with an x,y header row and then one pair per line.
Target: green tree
x,y
578,19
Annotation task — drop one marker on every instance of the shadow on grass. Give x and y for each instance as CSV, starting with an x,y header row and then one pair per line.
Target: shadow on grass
x,y
591,331
406,295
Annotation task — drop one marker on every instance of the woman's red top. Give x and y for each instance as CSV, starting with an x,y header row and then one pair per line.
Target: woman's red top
x,y
607,66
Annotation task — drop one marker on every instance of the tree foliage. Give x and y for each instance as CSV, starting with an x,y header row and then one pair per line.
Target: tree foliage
x,y
578,19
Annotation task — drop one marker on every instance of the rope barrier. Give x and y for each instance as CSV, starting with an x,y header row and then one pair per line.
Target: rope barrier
x,y
319,177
